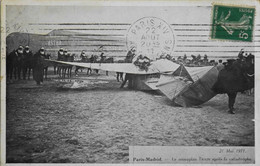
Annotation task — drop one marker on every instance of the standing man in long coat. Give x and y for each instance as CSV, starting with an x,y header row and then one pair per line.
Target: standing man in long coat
x,y
19,61
28,62
38,66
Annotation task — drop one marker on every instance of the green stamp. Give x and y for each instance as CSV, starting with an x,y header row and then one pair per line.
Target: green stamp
x,y
232,23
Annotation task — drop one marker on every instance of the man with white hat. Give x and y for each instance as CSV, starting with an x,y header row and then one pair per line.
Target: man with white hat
x,y
19,62
60,53
38,68
28,62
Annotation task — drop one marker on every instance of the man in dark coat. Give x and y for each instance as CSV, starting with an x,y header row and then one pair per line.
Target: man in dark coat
x,y
10,64
130,55
60,54
28,62
38,60
83,56
18,63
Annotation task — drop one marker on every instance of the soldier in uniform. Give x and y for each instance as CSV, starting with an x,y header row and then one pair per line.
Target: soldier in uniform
x,y
38,68
83,56
130,55
28,62
66,55
220,64
102,58
18,62
184,57
198,57
60,54
10,64
241,56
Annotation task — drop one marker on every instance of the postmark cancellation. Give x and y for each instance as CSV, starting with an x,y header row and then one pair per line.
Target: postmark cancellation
x,y
151,37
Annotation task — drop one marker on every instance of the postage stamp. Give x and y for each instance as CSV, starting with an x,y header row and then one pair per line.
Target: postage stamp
x,y
232,23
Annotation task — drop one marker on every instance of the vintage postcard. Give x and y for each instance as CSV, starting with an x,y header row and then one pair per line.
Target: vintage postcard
x,y
130,82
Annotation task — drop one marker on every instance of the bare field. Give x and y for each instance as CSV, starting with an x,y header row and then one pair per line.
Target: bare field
x,y
97,124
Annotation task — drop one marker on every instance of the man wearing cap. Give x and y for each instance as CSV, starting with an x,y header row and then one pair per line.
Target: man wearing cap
x,y
38,68
60,54
65,52
10,64
83,56
18,62
241,57
130,55
28,62
66,55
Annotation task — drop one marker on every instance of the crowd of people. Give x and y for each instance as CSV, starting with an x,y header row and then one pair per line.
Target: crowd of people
x,y
64,55
143,62
22,61
195,61
63,69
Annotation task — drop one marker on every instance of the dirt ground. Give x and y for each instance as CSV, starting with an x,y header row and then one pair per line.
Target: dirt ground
x,y
97,123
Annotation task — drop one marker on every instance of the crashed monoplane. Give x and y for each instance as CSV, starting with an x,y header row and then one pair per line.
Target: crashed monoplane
x,y
186,86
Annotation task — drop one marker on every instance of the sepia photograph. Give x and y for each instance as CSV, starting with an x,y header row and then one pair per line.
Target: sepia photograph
x,y
100,82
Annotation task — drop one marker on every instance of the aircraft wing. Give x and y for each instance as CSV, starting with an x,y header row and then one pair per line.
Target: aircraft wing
x,y
159,66
192,87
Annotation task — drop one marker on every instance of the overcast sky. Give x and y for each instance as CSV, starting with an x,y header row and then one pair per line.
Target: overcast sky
x,y
37,19
23,15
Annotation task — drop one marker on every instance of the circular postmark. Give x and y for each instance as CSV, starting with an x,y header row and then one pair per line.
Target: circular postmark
x,y
151,37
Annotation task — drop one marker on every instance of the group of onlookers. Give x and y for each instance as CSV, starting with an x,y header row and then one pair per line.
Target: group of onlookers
x,y
195,61
22,61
